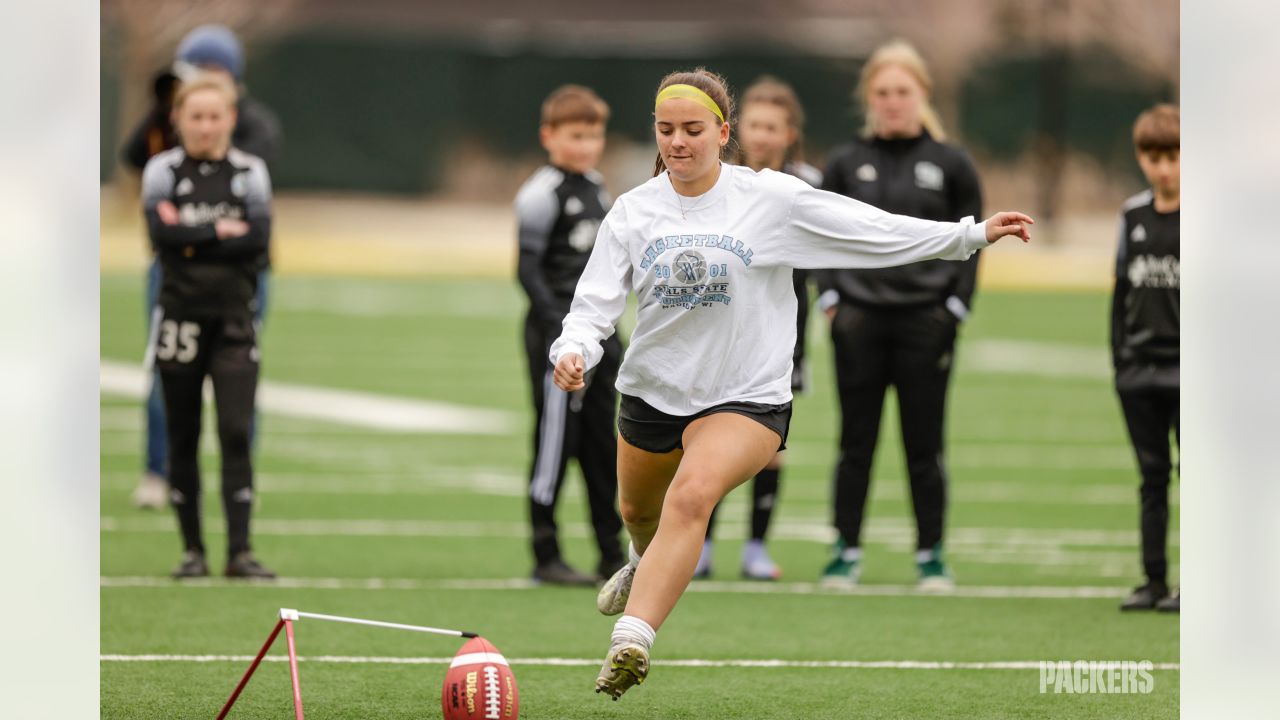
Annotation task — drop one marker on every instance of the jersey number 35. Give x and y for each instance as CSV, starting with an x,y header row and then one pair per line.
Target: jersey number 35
x,y
178,341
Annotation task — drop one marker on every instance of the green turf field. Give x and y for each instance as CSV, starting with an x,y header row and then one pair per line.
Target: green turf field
x,y
428,528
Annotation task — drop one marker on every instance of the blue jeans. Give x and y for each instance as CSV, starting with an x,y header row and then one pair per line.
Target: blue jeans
x,y
157,450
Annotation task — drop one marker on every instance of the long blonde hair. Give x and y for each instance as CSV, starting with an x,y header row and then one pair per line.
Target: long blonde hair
x,y
902,54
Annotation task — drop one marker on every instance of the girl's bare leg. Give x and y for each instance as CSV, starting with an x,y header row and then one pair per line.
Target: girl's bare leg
x,y
721,451
666,502
643,479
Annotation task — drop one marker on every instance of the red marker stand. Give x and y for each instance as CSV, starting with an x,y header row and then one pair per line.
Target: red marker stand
x,y
287,618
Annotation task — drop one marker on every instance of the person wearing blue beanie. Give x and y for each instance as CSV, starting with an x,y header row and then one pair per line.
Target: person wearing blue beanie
x,y
212,45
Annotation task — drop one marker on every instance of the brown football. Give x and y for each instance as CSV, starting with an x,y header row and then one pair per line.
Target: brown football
x,y
480,685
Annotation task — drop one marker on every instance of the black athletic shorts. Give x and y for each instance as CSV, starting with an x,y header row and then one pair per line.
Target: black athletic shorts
x,y
652,430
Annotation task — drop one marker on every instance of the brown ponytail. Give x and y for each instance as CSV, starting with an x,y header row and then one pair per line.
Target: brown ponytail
x,y
716,87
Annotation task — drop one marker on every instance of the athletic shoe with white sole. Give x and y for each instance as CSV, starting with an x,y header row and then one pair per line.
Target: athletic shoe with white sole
x,y
757,565
152,492
612,598
936,582
626,665
935,576
841,572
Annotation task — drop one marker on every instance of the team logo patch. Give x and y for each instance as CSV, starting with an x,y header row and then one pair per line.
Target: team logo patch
x,y
573,206
185,187
583,235
928,176
207,169
690,267
867,173
1138,234
239,185
1152,271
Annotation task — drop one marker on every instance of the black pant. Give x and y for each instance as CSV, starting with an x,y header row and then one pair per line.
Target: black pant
x,y
580,425
225,349
911,349
1150,412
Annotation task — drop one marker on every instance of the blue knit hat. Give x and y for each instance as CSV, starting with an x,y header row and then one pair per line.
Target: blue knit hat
x,y
212,45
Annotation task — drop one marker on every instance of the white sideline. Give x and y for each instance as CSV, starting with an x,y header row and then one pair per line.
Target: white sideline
x,y
813,530
346,407
575,662
1048,592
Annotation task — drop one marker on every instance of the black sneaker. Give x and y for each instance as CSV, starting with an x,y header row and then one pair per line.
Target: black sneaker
x,y
193,565
557,572
1170,604
607,568
1145,597
245,565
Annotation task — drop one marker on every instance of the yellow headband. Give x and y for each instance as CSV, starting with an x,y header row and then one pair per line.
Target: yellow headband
x,y
688,92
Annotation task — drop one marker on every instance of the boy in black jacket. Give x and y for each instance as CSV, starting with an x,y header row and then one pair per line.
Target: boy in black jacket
x,y
559,209
1144,338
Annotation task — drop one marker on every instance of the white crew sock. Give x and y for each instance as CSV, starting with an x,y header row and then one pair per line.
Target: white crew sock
x,y
630,629
633,555
851,554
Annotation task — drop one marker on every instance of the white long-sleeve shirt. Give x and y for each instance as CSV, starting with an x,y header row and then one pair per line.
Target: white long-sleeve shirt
x,y
712,274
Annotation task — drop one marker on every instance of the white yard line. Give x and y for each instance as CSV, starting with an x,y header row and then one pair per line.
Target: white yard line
x,y
1023,357
437,481
1005,540
345,407
583,662
1086,592
432,479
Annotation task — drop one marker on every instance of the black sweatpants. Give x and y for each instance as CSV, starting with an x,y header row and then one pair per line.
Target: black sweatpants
x,y
225,349
578,425
911,349
1150,412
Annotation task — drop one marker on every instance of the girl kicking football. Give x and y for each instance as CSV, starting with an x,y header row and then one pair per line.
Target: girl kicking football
x,y
708,249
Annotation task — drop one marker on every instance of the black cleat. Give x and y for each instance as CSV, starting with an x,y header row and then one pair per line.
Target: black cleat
x,y
1145,597
557,572
1170,604
245,565
193,565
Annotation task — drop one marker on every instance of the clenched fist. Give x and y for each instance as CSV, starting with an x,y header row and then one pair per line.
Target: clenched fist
x,y
569,371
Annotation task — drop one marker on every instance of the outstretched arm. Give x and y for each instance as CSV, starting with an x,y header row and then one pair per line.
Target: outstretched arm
x,y
825,230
